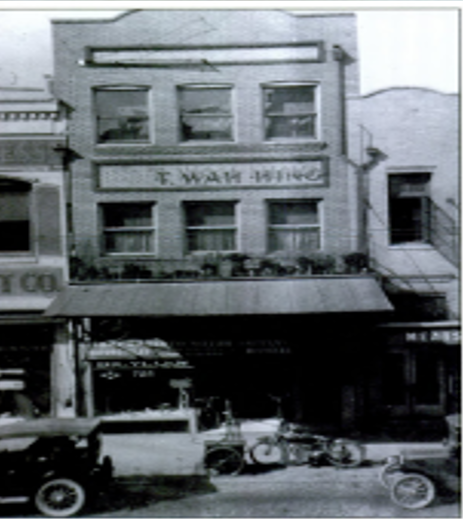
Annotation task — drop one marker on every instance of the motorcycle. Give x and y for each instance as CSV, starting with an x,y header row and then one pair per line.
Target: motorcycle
x,y
295,444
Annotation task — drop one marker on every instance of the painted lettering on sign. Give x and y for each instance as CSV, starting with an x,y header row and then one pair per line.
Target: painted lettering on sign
x,y
291,174
30,282
445,336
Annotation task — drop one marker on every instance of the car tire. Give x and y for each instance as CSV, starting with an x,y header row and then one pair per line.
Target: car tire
x,y
60,497
412,491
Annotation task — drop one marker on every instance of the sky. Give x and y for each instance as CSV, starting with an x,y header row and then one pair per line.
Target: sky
x,y
400,43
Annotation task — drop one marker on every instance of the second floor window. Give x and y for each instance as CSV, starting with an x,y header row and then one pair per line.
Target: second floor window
x,y
205,113
409,208
15,228
128,228
294,226
210,226
121,115
290,111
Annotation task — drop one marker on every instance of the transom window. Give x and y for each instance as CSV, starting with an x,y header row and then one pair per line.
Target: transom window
x,y
15,227
294,226
210,226
205,113
290,111
409,208
122,114
128,228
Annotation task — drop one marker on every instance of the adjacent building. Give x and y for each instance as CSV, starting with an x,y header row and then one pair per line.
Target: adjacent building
x,y
409,207
36,361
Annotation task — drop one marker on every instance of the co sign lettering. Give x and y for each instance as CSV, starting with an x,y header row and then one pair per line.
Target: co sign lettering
x,y
29,283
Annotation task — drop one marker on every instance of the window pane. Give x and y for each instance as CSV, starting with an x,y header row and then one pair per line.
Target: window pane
x,y
295,213
205,101
302,240
14,236
290,100
121,115
128,215
211,240
205,114
290,112
217,214
14,220
129,242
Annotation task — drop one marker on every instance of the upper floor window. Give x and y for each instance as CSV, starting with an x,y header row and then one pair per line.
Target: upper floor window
x,y
294,226
15,227
409,208
205,113
128,228
122,114
210,226
290,111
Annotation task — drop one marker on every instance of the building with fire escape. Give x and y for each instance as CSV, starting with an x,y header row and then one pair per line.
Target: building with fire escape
x,y
404,145
212,211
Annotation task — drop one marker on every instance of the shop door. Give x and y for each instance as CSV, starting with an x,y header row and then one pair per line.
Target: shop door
x,y
414,382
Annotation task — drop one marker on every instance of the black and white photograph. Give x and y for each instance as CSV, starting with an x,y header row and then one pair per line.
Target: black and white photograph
x,y
230,259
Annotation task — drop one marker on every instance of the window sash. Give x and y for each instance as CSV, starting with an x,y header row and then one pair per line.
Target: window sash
x,y
204,118
122,115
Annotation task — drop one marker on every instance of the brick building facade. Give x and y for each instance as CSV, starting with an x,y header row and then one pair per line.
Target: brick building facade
x,y
212,207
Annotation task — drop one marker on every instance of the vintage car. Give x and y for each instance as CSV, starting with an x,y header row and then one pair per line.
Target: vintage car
x,y
416,476
53,463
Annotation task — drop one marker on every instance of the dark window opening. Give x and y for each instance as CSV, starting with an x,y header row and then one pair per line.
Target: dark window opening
x,y
15,227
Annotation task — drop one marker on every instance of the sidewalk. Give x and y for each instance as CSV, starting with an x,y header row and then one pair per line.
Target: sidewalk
x,y
182,453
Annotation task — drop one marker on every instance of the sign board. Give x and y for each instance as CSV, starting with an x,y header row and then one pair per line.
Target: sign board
x,y
11,385
30,281
304,173
445,336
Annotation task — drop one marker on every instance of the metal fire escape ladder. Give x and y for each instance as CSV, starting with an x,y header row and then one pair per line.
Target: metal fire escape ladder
x,y
443,233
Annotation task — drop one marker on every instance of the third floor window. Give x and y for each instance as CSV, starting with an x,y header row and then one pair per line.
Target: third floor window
x,y
290,111
205,113
122,115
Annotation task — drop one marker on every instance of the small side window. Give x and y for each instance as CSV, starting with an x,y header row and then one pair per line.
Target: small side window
x,y
15,224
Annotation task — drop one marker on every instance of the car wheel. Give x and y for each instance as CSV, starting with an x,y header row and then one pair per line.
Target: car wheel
x,y
60,497
224,461
412,491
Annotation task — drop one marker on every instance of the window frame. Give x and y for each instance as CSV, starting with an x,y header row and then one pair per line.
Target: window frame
x,y
23,187
425,199
153,229
235,227
149,115
232,115
317,113
319,225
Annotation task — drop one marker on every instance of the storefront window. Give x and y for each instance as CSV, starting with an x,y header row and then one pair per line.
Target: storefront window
x,y
122,115
210,226
14,216
294,226
290,111
128,228
206,113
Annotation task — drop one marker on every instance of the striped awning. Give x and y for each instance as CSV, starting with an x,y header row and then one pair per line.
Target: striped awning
x,y
317,295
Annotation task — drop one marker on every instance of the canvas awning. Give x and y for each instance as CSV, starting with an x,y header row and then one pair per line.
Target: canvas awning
x,y
337,294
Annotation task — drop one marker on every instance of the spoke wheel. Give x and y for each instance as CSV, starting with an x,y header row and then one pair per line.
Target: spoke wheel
x,y
412,491
345,453
224,461
266,453
61,497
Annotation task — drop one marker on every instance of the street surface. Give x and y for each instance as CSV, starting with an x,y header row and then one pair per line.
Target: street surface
x,y
290,492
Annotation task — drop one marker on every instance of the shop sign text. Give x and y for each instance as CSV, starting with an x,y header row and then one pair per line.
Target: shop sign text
x,y
427,336
30,282
171,176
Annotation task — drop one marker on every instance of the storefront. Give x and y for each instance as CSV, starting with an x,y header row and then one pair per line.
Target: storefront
x,y
265,346
417,377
